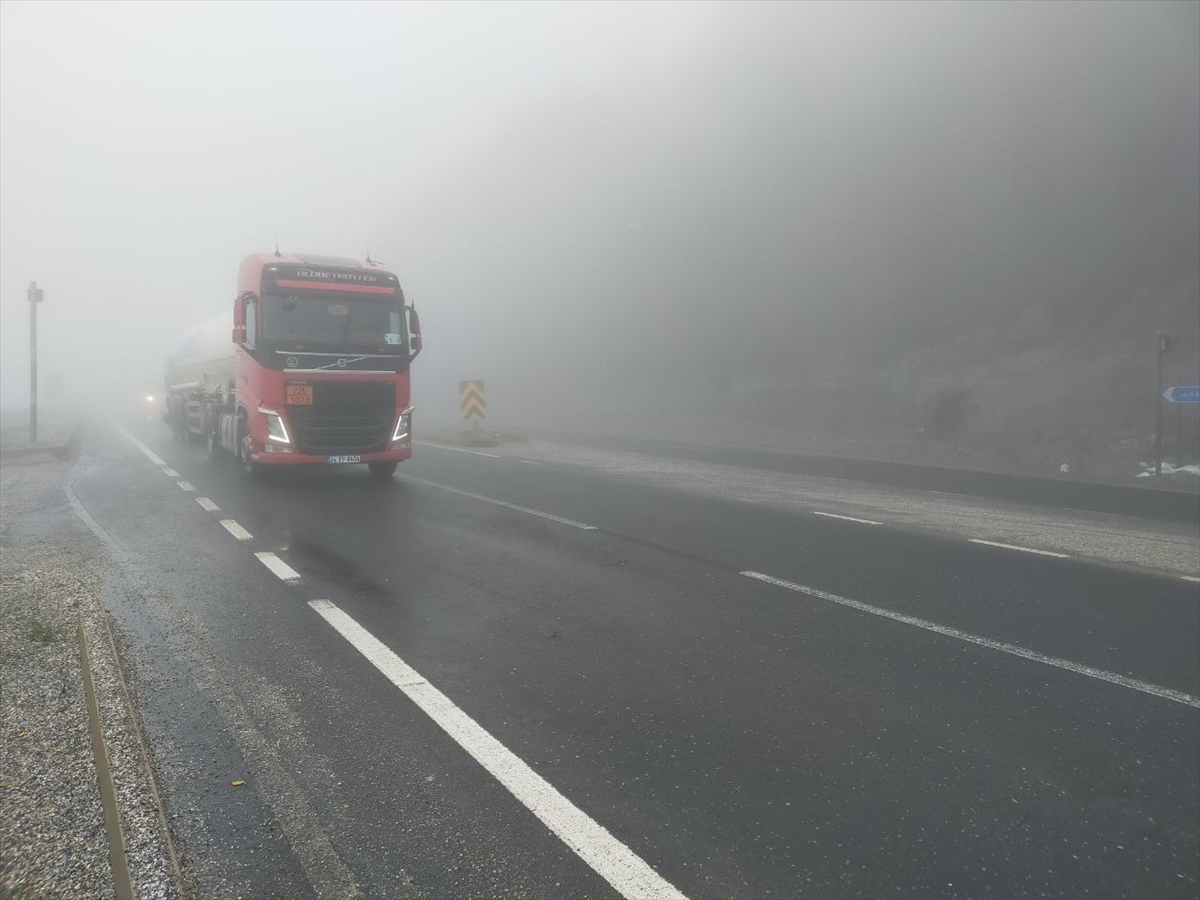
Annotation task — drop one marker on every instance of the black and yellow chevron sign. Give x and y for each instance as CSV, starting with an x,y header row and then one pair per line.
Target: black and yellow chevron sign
x,y
472,400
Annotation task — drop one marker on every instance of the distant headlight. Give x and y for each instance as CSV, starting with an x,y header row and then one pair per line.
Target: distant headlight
x,y
276,430
149,398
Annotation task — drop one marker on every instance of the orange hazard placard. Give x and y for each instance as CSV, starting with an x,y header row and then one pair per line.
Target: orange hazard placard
x,y
299,395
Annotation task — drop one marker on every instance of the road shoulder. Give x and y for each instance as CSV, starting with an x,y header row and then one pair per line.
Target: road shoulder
x,y
53,833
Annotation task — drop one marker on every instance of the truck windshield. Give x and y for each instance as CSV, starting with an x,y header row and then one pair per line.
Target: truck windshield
x,y
334,323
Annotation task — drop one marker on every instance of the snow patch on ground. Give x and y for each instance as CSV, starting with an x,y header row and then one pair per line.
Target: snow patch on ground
x,y
1168,469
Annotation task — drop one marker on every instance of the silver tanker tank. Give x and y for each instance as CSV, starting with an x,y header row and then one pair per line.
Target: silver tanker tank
x,y
204,361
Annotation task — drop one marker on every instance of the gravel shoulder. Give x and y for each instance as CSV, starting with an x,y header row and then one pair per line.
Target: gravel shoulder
x,y
53,841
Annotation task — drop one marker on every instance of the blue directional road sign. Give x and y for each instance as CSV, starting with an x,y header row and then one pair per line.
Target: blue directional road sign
x,y
1183,393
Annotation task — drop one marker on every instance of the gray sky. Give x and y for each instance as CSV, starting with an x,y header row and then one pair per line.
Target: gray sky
x,y
587,199
146,147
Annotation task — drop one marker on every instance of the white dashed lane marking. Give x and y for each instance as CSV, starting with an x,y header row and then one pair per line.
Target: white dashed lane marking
x,y
237,530
1078,668
281,569
207,504
1022,549
494,502
186,485
845,518
627,872
457,449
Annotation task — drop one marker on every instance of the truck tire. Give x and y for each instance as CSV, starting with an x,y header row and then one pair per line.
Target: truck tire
x,y
382,469
250,468
212,442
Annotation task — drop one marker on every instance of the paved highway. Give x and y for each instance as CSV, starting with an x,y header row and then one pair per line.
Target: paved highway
x,y
502,677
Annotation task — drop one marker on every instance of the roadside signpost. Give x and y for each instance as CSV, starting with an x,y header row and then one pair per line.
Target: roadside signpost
x,y
1165,344
1179,396
1182,393
35,297
472,401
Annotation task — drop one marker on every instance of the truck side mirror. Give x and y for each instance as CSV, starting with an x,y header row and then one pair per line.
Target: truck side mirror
x,y
239,318
414,334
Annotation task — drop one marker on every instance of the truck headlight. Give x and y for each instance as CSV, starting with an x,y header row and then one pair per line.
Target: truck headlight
x,y
276,430
403,426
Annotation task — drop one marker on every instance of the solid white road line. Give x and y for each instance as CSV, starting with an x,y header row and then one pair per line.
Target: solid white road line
x,y
207,504
1079,669
186,485
1189,578
846,518
236,530
170,473
458,449
1022,549
150,454
513,506
628,873
277,565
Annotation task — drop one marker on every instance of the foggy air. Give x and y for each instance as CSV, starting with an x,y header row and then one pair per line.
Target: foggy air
x,y
644,450
799,224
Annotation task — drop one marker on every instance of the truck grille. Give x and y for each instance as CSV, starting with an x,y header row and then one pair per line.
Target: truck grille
x,y
344,419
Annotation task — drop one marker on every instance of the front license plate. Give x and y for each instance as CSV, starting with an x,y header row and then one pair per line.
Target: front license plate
x,y
342,459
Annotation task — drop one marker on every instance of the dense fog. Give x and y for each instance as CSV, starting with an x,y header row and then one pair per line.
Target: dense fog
x,y
736,216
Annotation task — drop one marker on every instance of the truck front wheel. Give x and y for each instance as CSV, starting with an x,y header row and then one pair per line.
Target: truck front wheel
x,y
245,446
382,469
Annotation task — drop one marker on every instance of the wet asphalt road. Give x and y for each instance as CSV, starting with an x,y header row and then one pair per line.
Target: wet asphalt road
x,y
741,738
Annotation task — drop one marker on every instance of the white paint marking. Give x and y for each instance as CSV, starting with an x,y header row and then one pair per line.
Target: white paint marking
x,y
207,504
1022,549
1189,578
458,449
532,462
170,473
628,873
277,565
150,454
236,530
846,518
531,512
186,485
1078,668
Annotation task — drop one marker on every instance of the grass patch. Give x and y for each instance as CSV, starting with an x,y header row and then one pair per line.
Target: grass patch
x,y
41,633
26,892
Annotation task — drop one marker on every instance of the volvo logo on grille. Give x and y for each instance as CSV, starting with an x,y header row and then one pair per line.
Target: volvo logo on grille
x,y
292,362
341,363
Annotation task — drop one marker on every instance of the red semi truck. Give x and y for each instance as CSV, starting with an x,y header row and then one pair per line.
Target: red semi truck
x,y
316,373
